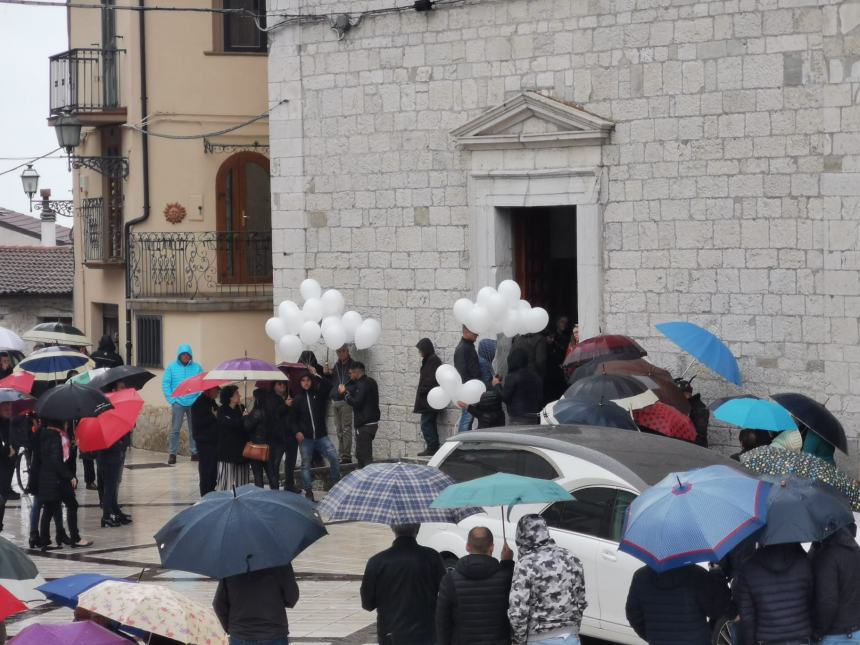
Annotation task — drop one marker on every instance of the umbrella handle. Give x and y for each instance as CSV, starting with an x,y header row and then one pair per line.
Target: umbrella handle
x,y
504,537
693,362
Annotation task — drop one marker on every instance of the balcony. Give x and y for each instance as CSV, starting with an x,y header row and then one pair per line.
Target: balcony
x,y
201,271
86,82
102,232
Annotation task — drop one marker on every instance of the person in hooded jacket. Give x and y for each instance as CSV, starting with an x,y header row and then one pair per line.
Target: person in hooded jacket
x,y
106,354
674,606
773,593
488,410
522,391
180,407
307,410
472,607
836,571
548,588
486,356
430,362
535,347
204,426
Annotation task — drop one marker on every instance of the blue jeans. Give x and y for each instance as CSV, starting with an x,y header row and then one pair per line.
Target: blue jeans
x,y
465,422
841,639
429,429
573,639
274,641
177,413
326,449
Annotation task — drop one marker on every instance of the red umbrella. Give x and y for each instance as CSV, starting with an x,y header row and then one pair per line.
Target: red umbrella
x,y
9,604
666,420
195,384
22,382
103,431
622,347
294,372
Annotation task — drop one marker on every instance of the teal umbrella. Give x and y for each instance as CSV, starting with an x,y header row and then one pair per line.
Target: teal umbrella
x,y
501,489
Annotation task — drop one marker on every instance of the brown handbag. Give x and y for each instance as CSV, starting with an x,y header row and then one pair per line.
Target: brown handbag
x,y
256,451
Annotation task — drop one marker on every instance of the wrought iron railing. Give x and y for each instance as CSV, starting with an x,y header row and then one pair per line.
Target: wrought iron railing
x,y
102,230
200,265
85,80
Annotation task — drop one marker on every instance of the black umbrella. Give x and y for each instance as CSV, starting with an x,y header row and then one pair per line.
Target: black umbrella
x,y
578,410
130,375
14,563
819,419
72,401
799,510
55,333
605,387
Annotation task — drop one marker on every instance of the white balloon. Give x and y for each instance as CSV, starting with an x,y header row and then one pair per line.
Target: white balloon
x,y
275,328
449,379
471,391
293,321
310,332
512,323
523,305
351,321
290,348
310,288
286,308
327,321
367,333
313,310
461,310
334,335
333,302
510,291
536,320
497,306
478,320
484,295
438,399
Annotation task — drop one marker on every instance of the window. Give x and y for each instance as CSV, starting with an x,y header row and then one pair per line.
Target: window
x,y
469,462
596,511
149,340
240,32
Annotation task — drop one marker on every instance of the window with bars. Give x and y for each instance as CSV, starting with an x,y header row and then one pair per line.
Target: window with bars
x,y
149,340
240,32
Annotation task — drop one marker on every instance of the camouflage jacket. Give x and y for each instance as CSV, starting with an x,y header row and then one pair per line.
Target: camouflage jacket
x,y
548,588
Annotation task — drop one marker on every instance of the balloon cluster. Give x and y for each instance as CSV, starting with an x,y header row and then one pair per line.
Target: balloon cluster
x,y
452,388
500,310
321,316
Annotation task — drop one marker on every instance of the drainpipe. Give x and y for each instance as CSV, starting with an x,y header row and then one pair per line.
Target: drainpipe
x,y
144,111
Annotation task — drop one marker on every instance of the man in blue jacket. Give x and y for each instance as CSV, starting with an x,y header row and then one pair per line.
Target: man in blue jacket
x,y
180,407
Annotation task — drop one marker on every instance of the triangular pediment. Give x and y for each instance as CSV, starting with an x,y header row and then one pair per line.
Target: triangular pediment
x,y
532,120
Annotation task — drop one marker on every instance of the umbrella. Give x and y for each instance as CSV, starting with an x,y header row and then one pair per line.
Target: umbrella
x,y
713,405
14,563
55,333
54,363
246,369
501,489
706,348
257,529
104,430
606,387
391,494
815,416
72,401
156,609
9,604
578,410
22,381
666,388
20,402
65,591
637,401
755,414
696,516
10,341
198,383
131,375
617,346
87,377
666,420
799,510
84,632
293,372
767,460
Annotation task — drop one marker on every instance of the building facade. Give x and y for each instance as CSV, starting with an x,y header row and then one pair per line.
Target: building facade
x,y
628,161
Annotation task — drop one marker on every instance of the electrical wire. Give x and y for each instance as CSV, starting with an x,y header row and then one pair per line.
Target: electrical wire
x,y
29,161
187,137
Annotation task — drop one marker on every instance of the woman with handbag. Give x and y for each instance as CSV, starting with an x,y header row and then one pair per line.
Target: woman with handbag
x,y
256,425
232,466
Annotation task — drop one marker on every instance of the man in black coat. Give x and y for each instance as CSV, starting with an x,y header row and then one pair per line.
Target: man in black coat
x,y
469,367
401,584
835,567
472,607
362,395
674,606
204,428
307,422
106,355
426,382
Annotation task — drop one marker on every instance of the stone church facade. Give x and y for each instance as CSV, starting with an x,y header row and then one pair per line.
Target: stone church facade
x,y
708,153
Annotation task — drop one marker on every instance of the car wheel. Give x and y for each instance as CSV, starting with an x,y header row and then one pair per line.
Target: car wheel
x,y
723,632
449,560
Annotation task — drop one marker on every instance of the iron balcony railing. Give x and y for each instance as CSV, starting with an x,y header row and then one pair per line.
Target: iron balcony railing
x,y
206,265
102,231
85,80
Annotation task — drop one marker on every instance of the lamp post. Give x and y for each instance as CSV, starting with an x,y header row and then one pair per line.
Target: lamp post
x,y
30,182
68,130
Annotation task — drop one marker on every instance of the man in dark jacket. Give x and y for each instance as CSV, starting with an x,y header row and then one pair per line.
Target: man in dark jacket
x,y
835,567
252,606
522,391
308,424
426,382
472,607
700,415
401,584
469,367
106,355
674,606
773,593
341,411
362,395
204,426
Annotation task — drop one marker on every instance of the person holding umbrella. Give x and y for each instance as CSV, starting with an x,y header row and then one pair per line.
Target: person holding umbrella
x,y
233,470
204,426
308,421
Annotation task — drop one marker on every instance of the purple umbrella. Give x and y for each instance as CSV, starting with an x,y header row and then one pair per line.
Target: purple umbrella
x,y
245,369
80,633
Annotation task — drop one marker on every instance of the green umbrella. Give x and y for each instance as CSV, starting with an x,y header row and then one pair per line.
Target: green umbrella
x,y
501,489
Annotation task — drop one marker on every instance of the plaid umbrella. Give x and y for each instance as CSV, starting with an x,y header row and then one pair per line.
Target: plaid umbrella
x,y
666,420
392,494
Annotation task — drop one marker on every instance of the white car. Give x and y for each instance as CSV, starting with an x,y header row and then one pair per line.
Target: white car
x,y
604,468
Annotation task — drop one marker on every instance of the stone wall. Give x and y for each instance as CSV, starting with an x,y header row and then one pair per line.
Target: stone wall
x,y
20,313
731,179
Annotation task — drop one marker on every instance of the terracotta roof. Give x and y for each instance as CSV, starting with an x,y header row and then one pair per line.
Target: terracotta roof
x,y
30,225
36,270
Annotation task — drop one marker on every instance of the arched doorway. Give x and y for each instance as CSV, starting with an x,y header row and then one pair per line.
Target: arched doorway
x,y
244,219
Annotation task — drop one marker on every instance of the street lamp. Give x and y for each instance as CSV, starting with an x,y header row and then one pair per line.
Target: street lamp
x,y
68,129
30,181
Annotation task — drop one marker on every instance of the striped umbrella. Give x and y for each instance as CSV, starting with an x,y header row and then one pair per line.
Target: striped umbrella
x,y
245,369
54,363
56,333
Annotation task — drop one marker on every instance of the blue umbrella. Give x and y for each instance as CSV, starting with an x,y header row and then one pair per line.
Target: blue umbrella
x,y
756,414
239,531
697,516
706,348
65,591
54,363
799,510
